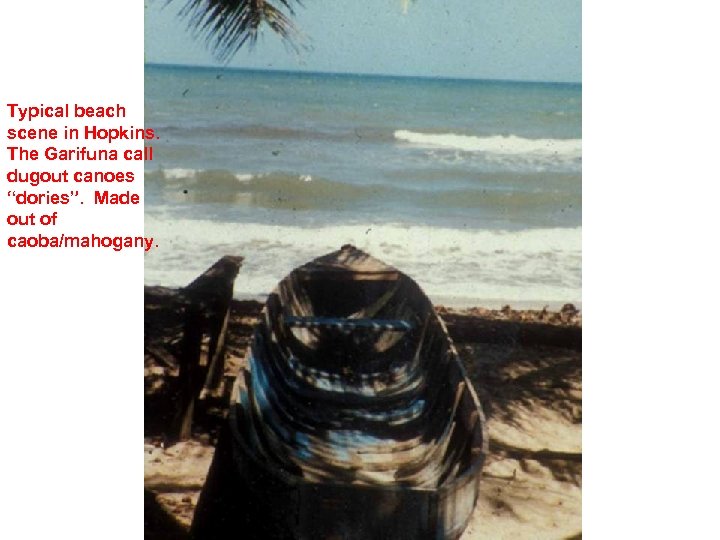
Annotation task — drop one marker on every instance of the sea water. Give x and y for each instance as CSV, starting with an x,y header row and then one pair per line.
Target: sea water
x,y
473,188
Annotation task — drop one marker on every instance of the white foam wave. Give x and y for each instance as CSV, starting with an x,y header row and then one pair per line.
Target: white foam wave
x,y
180,173
495,144
452,265
177,173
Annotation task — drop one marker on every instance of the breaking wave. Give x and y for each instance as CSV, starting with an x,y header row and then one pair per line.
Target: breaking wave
x,y
511,145
452,265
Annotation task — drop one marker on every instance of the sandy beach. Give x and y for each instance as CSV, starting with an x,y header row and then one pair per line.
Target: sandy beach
x,y
525,365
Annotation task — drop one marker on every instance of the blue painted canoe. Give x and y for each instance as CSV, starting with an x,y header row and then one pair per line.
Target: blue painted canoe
x,y
352,419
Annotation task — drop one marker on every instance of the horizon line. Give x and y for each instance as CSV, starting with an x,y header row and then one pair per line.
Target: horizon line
x,y
357,74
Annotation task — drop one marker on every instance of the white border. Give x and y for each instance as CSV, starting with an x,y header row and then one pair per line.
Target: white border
x,y
650,294
71,320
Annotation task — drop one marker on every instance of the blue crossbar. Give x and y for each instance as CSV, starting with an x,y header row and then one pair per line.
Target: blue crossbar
x,y
348,324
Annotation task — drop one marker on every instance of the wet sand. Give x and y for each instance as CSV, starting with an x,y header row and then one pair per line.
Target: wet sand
x,y
525,365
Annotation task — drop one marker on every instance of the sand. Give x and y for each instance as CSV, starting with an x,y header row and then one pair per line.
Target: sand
x,y
525,365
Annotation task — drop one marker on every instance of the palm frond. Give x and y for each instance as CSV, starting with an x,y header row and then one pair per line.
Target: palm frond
x,y
227,25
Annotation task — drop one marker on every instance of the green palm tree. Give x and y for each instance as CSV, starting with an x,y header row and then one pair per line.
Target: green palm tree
x,y
228,25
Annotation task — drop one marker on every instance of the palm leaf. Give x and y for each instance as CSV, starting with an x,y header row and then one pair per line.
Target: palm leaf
x,y
227,25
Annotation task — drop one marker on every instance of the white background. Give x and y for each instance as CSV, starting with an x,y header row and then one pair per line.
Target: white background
x,y
71,321
651,361
71,393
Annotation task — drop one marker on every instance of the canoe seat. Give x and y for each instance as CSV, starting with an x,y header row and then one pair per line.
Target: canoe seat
x,y
348,324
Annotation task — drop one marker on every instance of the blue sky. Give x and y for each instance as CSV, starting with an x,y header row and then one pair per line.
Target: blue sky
x,y
478,39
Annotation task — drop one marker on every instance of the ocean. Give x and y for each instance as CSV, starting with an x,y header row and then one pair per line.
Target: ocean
x,y
473,188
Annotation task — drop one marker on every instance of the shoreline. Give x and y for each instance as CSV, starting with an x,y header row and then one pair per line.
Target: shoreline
x,y
463,303
526,269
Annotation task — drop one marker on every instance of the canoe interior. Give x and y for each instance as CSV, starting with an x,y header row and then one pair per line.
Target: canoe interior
x,y
354,416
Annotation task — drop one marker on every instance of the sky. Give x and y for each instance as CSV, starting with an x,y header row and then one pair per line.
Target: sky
x,y
526,40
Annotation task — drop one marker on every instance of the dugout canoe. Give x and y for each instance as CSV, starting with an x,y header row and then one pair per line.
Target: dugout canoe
x,y
353,418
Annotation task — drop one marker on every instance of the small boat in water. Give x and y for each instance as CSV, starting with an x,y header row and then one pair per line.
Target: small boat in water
x,y
352,419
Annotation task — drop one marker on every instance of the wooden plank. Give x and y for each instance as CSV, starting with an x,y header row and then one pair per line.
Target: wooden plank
x,y
206,317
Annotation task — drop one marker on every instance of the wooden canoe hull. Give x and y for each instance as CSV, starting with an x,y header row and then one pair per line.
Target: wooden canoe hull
x,y
353,420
